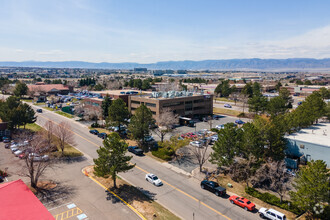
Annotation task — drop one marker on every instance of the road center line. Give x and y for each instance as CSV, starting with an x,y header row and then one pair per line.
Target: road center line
x,y
179,190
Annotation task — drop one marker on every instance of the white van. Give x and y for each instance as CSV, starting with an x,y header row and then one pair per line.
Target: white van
x,y
271,214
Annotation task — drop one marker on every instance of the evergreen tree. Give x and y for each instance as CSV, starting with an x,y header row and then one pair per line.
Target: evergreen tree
x,y
112,159
311,187
118,114
20,89
140,125
247,90
26,114
105,106
227,146
252,142
145,85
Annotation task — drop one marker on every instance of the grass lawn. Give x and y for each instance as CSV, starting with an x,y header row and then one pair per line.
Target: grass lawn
x,y
27,100
101,130
133,196
64,114
226,111
39,104
50,109
33,127
224,99
69,151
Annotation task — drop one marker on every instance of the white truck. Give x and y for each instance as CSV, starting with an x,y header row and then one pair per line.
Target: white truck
x,y
271,214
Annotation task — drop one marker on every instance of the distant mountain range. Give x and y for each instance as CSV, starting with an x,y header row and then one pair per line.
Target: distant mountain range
x,y
231,64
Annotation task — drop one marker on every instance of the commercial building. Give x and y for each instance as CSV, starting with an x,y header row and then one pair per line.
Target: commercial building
x,y
308,144
49,89
184,103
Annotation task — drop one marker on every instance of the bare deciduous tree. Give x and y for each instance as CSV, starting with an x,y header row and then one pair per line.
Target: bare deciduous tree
x,y
244,99
33,167
92,113
200,154
234,96
49,131
242,169
64,134
272,176
166,121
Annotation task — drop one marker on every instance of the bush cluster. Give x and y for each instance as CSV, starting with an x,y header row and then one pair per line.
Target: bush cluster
x,y
273,200
164,153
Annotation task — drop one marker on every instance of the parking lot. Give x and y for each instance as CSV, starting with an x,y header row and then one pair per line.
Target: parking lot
x,y
68,197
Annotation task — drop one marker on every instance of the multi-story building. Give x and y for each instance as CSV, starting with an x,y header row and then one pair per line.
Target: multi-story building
x,y
181,103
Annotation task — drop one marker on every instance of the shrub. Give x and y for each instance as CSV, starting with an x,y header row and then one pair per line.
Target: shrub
x,y
164,153
95,125
272,200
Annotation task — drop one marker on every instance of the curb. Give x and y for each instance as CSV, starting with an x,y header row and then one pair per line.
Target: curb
x,y
100,184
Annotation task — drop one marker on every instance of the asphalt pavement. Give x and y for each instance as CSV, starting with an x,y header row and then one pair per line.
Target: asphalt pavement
x,y
181,194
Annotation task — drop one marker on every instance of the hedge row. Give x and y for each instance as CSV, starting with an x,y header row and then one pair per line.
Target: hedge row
x,y
273,200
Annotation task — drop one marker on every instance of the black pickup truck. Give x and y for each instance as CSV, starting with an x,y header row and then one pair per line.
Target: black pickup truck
x,y
213,187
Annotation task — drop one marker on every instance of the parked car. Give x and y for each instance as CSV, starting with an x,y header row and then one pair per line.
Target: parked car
x,y
152,178
22,155
135,150
102,135
148,138
220,127
39,110
227,106
214,138
242,202
213,187
239,122
271,214
6,139
18,152
7,145
196,143
36,157
94,131
14,149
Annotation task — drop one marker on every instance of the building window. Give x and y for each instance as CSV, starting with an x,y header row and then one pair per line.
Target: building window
x,y
150,104
95,104
188,108
188,102
198,100
135,102
199,108
172,104
154,113
132,109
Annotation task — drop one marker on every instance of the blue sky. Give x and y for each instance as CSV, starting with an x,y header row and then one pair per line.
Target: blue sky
x,y
160,30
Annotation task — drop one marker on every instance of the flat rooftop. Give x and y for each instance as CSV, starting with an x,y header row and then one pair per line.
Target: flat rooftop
x,y
316,134
149,96
118,92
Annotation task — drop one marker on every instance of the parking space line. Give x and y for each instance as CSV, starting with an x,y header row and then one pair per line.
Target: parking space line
x,y
65,215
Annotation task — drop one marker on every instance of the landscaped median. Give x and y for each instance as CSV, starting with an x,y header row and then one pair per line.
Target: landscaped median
x,y
224,111
144,206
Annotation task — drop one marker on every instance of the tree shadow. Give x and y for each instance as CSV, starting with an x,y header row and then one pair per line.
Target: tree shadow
x,y
69,160
55,195
130,194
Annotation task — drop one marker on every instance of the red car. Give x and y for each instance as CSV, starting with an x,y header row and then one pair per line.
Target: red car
x,y
243,202
22,155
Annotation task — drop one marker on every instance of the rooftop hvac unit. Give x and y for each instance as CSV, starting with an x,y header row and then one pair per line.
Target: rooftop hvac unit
x,y
165,95
190,94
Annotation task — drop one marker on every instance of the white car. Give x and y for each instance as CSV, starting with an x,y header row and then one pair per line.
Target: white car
x,y
152,178
37,157
219,127
196,143
271,214
18,152
214,138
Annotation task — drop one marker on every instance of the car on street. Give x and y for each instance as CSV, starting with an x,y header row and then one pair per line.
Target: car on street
x,y
196,143
220,127
152,178
271,214
239,122
213,187
242,202
39,110
227,106
135,150
94,131
102,135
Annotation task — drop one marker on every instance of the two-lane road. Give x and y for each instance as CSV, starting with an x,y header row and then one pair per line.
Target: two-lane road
x,y
180,194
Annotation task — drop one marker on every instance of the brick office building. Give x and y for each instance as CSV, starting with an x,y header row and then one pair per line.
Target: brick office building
x,y
181,103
